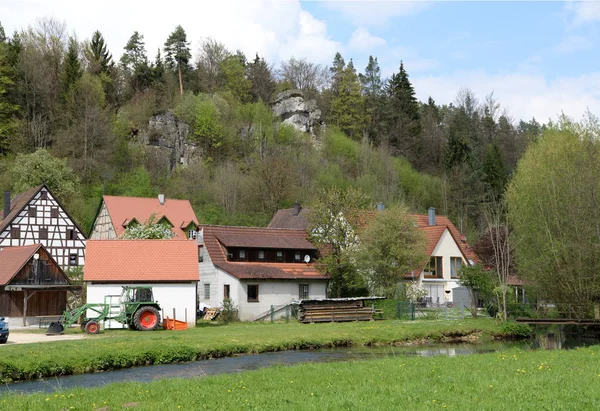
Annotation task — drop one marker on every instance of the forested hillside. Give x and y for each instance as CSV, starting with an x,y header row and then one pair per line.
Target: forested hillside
x,y
72,113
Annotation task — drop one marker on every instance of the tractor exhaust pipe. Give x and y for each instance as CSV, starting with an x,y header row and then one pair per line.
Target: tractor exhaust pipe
x,y
55,329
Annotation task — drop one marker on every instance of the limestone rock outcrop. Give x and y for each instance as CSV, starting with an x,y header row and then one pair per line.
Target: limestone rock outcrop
x,y
293,109
166,142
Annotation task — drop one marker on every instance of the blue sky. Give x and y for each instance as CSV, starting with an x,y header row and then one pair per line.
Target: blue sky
x,y
538,58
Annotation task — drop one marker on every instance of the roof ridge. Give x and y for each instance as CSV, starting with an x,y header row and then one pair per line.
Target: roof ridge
x,y
252,227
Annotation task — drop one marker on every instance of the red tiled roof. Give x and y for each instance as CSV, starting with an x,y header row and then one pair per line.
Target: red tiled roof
x,y
17,204
287,218
256,270
265,240
12,259
141,261
123,210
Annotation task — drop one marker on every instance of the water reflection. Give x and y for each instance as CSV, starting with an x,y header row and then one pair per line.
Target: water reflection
x,y
564,337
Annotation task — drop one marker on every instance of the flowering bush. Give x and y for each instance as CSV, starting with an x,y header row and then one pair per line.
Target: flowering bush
x,y
415,291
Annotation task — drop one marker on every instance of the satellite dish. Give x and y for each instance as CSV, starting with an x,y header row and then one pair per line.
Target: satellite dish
x,y
307,258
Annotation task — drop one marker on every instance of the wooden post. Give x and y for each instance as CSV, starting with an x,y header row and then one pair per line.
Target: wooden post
x,y
272,314
25,308
174,314
186,314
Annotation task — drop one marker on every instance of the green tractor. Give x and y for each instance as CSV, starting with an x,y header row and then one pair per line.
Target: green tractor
x,y
136,308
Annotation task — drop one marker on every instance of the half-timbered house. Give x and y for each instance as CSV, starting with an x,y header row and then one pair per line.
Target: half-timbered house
x,y
32,284
36,216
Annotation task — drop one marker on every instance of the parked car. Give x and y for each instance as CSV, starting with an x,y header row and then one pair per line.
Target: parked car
x,y
3,331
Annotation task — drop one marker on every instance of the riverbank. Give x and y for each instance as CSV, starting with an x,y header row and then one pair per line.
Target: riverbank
x,y
114,350
514,379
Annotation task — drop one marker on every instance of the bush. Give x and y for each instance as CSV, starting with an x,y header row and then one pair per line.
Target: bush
x,y
516,330
229,312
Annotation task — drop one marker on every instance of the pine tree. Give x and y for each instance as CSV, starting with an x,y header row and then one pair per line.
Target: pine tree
x,y
8,110
372,87
98,55
337,71
177,52
495,176
402,116
261,76
135,62
347,104
72,70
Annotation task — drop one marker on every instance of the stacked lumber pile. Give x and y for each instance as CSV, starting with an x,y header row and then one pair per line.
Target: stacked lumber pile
x,y
211,313
333,311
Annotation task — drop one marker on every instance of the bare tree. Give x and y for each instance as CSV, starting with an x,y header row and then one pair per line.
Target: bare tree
x,y
210,56
304,75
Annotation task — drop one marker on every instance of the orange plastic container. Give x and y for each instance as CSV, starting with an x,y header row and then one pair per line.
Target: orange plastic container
x,y
172,324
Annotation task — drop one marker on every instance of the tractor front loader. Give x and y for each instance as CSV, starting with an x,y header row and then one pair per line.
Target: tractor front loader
x,y
137,309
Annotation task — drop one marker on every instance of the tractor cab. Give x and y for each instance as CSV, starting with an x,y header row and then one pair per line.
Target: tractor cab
x,y
137,294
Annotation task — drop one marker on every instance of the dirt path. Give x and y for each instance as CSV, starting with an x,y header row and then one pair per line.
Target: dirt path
x,y
16,337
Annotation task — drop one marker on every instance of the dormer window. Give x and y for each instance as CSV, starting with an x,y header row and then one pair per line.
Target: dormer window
x,y
192,234
261,255
279,256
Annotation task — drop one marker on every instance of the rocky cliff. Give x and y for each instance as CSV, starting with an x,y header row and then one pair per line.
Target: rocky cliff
x,y
165,142
293,109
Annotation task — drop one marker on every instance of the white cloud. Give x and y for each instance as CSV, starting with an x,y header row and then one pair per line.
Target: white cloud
x,y
362,40
274,29
572,44
524,95
583,11
376,13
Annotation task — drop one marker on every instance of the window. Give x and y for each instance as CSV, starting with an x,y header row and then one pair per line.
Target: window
x,y
54,212
279,256
192,234
32,212
70,234
455,265
15,232
434,268
298,256
261,255
200,255
44,195
207,291
252,293
226,292
303,291
43,233
73,259
242,254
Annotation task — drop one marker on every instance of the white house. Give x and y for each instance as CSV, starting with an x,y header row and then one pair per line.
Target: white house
x,y
257,268
169,266
37,217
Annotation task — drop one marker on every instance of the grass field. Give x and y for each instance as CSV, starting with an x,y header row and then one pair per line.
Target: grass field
x,y
122,349
509,380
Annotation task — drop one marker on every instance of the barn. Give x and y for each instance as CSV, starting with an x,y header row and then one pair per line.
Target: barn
x,y
169,266
32,284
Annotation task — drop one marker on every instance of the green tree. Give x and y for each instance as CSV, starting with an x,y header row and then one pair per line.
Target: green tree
x,y
8,110
334,219
347,109
260,75
372,87
390,246
98,57
495,176
336,72
30,170
554,208
72,70
232,69
135,63
177,53
208,128
402,114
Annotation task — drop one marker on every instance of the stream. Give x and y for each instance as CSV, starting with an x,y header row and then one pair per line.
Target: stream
x,y
546,338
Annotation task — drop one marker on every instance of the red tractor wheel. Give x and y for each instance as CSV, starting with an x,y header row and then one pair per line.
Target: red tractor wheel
x,y
92,327
146,319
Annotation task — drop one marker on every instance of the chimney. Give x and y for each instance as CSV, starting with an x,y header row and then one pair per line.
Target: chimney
x,y
6,204
431,215
297,208
161,199
380,206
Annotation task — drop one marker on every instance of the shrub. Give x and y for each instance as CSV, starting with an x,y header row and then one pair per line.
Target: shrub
x,y
229,312
516,330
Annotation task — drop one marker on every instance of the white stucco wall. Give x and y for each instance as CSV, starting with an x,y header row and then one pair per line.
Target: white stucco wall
x,y
178,296
270,292
445,248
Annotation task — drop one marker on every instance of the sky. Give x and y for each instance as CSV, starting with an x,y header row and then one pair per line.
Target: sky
x,y
537,58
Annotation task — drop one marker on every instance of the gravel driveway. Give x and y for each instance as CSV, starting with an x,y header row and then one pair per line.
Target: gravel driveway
x,y
16,337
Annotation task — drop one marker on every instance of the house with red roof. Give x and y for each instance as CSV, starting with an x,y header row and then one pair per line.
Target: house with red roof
x,y
169,266
32,284
447,249
257,268
116,213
